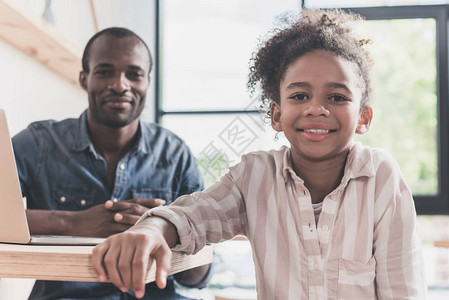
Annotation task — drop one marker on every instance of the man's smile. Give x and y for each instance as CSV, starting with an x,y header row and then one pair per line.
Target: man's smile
x,y
117,98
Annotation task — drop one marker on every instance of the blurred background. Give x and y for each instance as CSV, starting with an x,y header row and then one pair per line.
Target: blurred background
x,y
198,90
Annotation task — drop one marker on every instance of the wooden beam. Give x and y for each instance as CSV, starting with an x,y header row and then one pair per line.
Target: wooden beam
x,y
28,32
94,15
441,244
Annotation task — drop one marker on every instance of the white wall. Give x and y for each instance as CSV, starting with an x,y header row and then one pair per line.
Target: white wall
x,y
33,92
30,91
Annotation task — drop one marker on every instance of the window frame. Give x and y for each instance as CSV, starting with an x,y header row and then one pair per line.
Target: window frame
x,y
437,204
159,112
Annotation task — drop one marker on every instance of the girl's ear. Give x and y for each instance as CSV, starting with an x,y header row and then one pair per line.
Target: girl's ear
x,y
364,120
275,114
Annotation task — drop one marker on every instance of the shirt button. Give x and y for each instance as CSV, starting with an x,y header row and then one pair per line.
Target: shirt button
x,y
63,199
122,166
325,228
316,265
83,202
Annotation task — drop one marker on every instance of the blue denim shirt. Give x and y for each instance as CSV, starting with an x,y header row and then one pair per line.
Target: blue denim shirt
x,y
59,169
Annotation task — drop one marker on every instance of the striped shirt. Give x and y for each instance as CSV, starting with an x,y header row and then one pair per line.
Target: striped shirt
x,y
365,245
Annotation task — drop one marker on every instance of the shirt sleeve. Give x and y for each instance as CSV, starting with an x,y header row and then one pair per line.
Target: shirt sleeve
x,y
397,248
191,181
212,216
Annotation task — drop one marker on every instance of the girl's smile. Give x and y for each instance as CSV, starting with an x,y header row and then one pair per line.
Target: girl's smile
x,y
316,134
320,106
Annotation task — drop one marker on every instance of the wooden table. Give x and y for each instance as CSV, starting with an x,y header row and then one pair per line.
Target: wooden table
x,y
74,263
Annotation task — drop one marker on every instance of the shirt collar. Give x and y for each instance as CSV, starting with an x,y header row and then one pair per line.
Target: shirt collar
x,y
146,133
288,168
358,164
82,139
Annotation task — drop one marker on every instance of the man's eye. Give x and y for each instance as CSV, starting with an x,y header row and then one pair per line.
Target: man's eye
x,y
135,75
102,72
299,96
338,98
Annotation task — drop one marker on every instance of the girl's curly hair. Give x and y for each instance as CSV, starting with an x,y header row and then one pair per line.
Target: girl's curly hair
x,y
327,30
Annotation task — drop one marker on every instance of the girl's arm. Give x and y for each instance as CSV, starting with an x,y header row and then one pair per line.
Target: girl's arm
x,y
124,257
189,223
397,250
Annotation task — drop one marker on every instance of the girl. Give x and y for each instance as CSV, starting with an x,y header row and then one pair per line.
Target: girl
x,y
327,218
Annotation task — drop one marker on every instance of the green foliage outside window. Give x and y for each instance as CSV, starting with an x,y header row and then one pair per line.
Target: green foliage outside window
x,y
405,104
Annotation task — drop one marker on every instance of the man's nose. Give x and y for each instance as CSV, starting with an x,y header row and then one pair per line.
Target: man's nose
x,y
120,84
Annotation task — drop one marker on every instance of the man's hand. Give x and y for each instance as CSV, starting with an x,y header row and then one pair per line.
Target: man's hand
x,y
124,257
112,217
101,220
129,211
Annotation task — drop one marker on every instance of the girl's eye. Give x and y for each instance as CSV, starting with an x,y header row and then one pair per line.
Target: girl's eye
x,y
299,96
338,98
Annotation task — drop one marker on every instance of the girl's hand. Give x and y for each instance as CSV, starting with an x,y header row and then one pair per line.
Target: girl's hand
x,y
123,258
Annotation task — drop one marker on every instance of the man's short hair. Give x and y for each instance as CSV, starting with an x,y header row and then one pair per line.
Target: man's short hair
x,y
118,32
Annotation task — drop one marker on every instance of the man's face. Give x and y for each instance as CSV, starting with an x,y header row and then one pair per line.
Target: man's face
x,y
117,81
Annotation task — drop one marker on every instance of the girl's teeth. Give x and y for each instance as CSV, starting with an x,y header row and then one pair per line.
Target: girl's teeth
x,y
317,131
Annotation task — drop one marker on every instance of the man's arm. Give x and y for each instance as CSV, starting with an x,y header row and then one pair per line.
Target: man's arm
x,y
193,277
95,221
98,221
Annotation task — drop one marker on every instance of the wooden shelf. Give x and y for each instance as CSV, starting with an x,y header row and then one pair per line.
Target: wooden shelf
x,y
28,32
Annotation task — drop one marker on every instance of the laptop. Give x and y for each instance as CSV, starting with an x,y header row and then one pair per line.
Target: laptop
x,y
13,222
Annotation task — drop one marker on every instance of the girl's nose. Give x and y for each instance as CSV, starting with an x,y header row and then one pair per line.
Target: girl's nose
x,y
316,107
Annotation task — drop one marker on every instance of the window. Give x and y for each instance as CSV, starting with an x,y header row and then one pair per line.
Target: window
x,y
202,94
405,104
410,109
204,70
205,50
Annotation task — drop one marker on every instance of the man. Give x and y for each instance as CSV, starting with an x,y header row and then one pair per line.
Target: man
x,y
96,175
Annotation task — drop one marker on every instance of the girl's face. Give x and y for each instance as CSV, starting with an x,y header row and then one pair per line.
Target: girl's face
x,y
319,111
